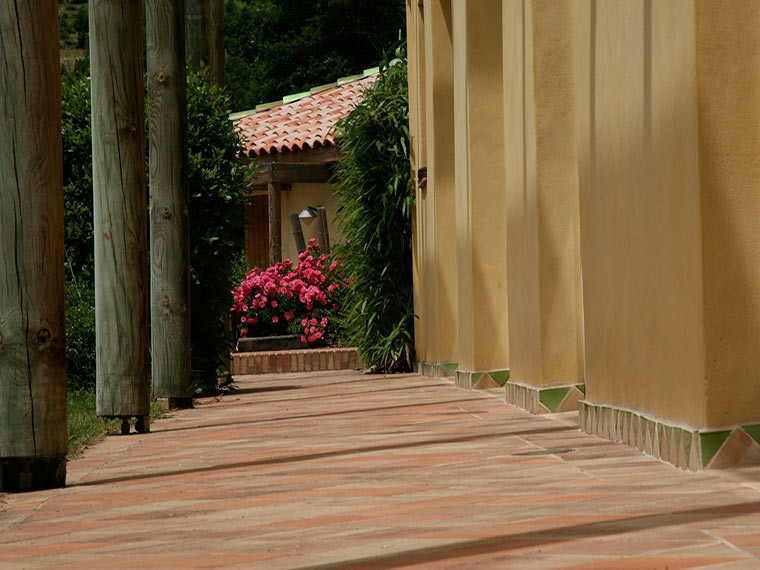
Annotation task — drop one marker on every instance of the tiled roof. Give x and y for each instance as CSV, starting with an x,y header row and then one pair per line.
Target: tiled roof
x,y
304,120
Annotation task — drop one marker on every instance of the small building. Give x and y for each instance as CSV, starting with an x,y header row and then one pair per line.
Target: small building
x,y
292,142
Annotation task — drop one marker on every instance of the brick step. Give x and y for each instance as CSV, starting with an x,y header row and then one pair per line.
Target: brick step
x,y
306,360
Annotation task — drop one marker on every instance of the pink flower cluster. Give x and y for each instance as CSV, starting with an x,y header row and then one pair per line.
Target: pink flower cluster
x,y
277,299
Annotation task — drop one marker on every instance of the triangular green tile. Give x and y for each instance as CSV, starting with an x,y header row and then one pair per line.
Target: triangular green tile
x,y
686,445
582,388
753,431
449,367
500,376
474,377
552,397
710,443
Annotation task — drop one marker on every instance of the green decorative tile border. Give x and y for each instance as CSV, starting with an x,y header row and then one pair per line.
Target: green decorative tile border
x,y
550,400
436,369
481,379
683,447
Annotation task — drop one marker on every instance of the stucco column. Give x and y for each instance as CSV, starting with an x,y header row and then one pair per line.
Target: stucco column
x,y
416,52
669,235
480,195
441,292
545,316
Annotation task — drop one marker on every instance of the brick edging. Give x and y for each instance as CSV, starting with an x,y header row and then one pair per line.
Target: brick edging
x,y
306,360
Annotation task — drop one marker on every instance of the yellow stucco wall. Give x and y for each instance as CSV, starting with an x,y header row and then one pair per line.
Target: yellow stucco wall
x,y
728,84
480,193
542,193
640,212
606,192
441,212
294,201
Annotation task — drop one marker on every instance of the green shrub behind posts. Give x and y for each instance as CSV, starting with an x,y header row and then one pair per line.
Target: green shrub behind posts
x,y
217,179
376,199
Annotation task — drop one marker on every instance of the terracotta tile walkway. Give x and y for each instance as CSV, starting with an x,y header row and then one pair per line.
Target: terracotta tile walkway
x,y
338,470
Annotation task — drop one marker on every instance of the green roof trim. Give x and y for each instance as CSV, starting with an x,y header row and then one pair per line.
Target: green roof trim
x,y
296,96
265,106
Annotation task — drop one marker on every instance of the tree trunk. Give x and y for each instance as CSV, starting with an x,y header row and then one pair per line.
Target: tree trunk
x,y
169,228
33,436
216,41
120,208
274,191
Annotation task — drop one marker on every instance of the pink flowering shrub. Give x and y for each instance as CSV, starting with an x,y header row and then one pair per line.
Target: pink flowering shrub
x,y
284,299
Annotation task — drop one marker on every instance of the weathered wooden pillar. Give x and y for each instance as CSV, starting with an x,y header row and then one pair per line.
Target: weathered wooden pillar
x,y
204,36
216,41
33,437
120,210
274,190
169,227
196,31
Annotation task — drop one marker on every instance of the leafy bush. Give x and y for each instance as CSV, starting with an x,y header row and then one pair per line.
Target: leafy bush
x,y
283,299
217,180
375,197
77,176
80,335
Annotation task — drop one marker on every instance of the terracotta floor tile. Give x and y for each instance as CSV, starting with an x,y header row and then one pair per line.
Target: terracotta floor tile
x,y
340,470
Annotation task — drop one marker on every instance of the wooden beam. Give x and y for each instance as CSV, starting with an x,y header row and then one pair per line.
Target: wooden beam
x,y
33,437
120,209
169,227
275,227
292,172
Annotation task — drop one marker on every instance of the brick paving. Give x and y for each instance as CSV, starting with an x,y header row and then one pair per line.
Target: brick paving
x,y
339,470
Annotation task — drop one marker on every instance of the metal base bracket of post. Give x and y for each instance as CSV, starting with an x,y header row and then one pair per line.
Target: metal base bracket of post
x,y
20,475
142,424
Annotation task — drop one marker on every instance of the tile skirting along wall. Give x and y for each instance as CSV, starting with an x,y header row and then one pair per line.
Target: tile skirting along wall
x,y
683,447
436,369
482,380
548,400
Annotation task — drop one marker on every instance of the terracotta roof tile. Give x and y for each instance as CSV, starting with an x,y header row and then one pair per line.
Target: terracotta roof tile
x,y
304,123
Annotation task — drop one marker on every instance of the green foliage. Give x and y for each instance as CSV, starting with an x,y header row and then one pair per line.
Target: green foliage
x,y
275,48
217,180
376,199
80,334
77,175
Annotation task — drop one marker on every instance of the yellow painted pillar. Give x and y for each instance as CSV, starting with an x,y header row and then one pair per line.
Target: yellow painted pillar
x,y
416,57
545,317
442,343
669,236
480,195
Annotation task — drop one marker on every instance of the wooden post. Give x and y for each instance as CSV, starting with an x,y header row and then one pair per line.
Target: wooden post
x,y
196,31
204,36
295,223
33,438
322,229
215,36
169,228
274,190
120,209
